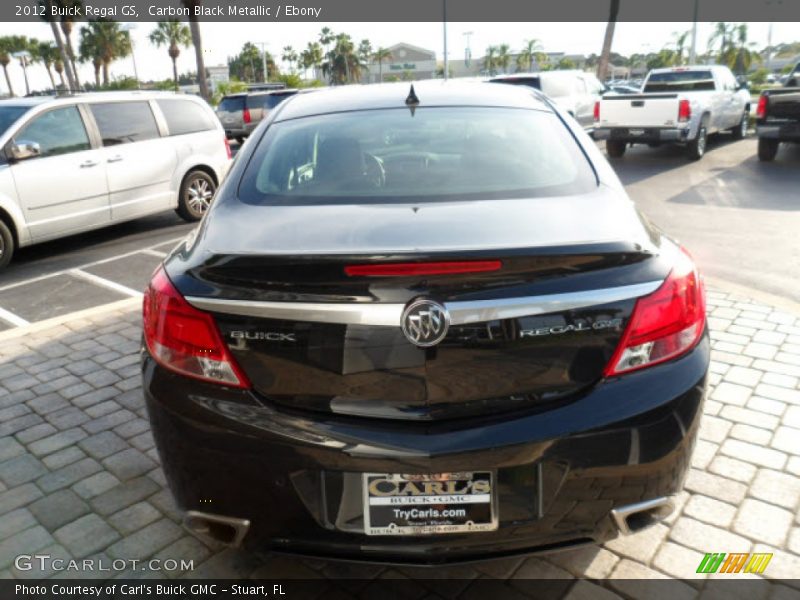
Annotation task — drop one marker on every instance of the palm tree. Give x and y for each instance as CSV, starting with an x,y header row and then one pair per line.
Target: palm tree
x,y
605,55
173,34
490,60
67,24
48,54
532,51
380,55
58,67
46,12
108,43
741,56
342,64
503,56
289,55
8,45
311,57
723,33
326,36
680,45
365,53
197,42
89,51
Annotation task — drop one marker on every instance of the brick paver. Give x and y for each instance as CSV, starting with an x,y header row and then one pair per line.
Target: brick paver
x,y
79,476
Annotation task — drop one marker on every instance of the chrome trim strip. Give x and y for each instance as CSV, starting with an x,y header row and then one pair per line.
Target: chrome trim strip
x,y
388,315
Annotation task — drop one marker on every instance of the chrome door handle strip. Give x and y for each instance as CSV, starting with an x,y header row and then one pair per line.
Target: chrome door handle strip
x,y
388,315
89,163
114,159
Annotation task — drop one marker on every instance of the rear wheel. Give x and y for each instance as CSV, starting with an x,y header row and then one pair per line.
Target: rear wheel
x,y
615,148
197,191
740,131
767,149
697,147
6,245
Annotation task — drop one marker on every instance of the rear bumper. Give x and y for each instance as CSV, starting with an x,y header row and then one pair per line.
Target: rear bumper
x,y
642,135
559,475
785,132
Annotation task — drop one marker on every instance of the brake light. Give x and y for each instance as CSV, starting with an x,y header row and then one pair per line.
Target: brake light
x,y
246,115
684,111
763,104
184,339
228,147
596,112
422,268
667,323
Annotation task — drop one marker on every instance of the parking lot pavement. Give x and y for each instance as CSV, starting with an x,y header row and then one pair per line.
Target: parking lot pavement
x,y
89,277
80,477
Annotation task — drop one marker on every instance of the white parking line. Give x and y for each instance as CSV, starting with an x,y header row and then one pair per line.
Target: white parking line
x,y
106,283
12,319
152,252
90,264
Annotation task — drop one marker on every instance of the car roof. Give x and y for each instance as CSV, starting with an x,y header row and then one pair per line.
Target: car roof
x,y
394,95
556,73
687,68
31,101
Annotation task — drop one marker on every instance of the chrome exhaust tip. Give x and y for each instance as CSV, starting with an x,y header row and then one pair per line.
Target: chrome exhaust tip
x,y
635,517
220,529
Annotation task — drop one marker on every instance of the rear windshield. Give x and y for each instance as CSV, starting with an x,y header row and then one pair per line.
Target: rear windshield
x,y
680,81
428,154
533,82
266,101
232,103
9,114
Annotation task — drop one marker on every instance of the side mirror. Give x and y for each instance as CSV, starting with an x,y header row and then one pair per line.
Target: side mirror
x,y
23,150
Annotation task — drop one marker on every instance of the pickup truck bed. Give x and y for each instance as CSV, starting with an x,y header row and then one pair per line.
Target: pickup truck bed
x,y
778,120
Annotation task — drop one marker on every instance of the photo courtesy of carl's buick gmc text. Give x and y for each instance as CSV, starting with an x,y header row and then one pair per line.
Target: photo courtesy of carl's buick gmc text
x,y
425,300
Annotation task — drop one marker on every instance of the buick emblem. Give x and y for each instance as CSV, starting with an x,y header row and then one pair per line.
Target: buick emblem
x,y
425,323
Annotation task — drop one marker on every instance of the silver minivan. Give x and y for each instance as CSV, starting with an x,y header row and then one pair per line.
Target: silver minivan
x,y
574,91
74,163
241,113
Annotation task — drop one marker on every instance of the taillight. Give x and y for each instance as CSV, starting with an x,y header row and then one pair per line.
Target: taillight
x,y
184,339
761,109
596,112
684,111
246,115
228,147
422,268
665,324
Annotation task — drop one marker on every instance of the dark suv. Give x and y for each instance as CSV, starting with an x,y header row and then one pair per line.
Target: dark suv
x,y
241,113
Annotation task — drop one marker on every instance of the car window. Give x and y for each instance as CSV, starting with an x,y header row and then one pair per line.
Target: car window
x,y
185,116
680,81
231,104
124,122
58,131
9,114
558,86
533,82
429,154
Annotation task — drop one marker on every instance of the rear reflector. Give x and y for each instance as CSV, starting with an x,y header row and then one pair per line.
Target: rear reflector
x,y
684,111
184,339
667,323
422,268
761,109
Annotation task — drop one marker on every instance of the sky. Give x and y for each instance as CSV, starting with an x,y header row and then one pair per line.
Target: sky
x,y
222,40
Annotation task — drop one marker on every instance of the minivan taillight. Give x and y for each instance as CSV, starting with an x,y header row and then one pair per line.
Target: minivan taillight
x,y
667,323
246,115
184,339
684,111
597,112
761,109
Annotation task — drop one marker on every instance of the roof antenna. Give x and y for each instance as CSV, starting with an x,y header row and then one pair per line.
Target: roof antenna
x,y
411,100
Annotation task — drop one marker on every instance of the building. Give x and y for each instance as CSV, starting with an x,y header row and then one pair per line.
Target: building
x,y
406,62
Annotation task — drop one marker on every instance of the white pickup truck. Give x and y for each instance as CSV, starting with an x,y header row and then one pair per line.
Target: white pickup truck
x,y
680,105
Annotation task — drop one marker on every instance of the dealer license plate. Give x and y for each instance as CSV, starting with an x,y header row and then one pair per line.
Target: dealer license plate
x,y
636,131
397,504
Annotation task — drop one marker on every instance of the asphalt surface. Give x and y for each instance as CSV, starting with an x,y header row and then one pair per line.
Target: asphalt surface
x,y
739,218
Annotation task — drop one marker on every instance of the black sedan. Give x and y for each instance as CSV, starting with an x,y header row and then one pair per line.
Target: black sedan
x,y
423,324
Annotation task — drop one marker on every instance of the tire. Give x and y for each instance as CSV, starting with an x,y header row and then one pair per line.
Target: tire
x,y
740,131
615,148
767,149
197,192
696,149
6,245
